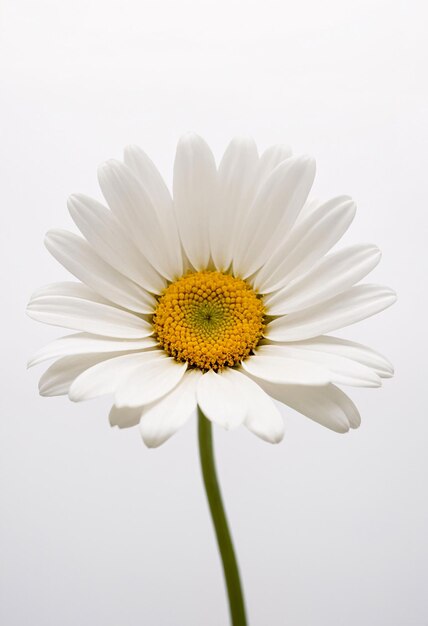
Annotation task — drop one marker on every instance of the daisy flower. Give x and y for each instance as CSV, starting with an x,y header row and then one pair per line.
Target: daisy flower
x,y
220,296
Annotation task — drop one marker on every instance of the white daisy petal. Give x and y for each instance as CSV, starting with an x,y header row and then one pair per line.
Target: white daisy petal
x,y
163,418
59,376
107,376
148,175
134,208
263,417
125,417
150,381
286,370
78,312
343,371
85,343
195,196
71,289
270,159
349,307
109,240
307,242
237,180
273,213
332,275
347,406
328,405
221,400
77,256
349,349
309,207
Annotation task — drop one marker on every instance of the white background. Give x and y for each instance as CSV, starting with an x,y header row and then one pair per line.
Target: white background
x,y
330,529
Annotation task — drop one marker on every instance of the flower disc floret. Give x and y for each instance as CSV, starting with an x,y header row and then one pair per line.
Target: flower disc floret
x,y
209,319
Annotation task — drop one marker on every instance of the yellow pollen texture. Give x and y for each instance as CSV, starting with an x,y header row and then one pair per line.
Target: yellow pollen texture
x,y
209,319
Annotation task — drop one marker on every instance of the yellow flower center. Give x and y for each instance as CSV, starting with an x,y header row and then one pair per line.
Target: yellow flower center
x,y
209,319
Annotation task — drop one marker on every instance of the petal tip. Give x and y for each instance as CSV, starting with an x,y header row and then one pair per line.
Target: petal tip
x,y
131,148
44,390
342,429
276,438
388,372
150,442
75,202
306,162
107,168
189,136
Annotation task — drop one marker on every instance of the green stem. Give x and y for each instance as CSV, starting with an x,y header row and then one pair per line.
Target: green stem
x,y
224,540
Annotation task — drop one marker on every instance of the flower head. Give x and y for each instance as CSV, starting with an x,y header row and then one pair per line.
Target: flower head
x,y
210,320
219,297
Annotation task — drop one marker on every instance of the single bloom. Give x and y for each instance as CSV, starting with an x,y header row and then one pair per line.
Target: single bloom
x,y
220,295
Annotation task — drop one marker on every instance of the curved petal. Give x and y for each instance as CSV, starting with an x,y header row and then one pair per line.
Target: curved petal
x,y
263,418
328,405
162,419
273,213
284,370
307,242
150,381
195,196
349,349
347,406
85,343
60,375
309,207
270,159
125,417
134,208
71,289
77,256
53,305
221,400
109,240
237,181
343,371
106,377
349,307
332,275
148,175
